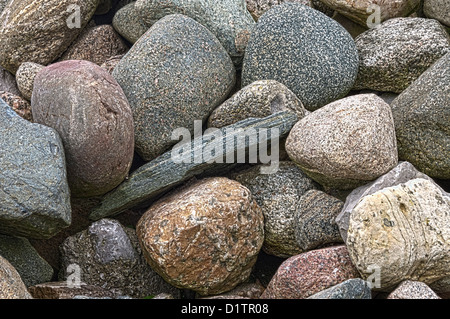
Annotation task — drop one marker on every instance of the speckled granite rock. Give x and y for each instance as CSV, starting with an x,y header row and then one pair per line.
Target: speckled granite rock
x,y
409,289
96,44
350,289
21,106
228,20
66,290
11,285
111,63
310,53
25,76
259,99
3,4
304,275
422,121
109,256
402,173
129,24
217,214
258,7
279,195
322,7
397,52
178,72
437,9
39,31
403,230
361,10
33,269
8,82
346,143
90,111
34,194
314,220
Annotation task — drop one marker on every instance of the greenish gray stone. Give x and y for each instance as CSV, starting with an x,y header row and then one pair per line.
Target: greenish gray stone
x,y
259,99
33,269
129,24
163,173
350,289
437,9
228,20
398,51
34,193
422,121
177,73
308,52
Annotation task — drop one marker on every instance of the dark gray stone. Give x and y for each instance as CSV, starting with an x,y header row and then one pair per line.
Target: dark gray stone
x,y
32,268
163,173
350,289
422,121
310,53
314,220
178,72
109,256
34,193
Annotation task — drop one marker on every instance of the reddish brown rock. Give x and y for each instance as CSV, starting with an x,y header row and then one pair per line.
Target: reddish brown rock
x,y
64,290
18,104
87,107
11,285
204,237
303,275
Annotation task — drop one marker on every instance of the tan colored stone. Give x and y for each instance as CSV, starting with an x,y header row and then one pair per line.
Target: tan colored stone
x,y
11,285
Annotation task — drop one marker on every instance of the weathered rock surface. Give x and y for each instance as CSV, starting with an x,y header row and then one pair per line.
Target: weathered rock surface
x,y
21,106
129,24
67,290
11,285
8,82
349,289
409,289
437,9
90,111
25,75
258,7
217,214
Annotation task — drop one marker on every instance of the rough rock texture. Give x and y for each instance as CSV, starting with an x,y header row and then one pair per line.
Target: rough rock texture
x,y
228,20
96,44
360,11
437,9
258,7
314,220
40,31
178,72
109,256
349,289
164,173
25,76
111,63
34,194
129,24
21,106
33,269
90,111
346,143
67,290
217,215
402,173
409,289
422,121
310,53
8,82
11,285
397,52
279,195
352,27
3,4
403,230
304,275
259,99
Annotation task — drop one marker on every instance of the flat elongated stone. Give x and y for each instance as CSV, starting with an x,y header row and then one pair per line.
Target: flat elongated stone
x,y
350,289
159,175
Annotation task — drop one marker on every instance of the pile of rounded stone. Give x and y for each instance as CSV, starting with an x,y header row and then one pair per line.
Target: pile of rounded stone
x,y
351,203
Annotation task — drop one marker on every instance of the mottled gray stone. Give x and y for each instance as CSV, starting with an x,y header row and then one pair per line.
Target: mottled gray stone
x,y
397,52
314,220
258,7
8,82
18,104
178,72
410,289
310,53
3,4
25,76
11,285
163,173
33,269
40,31
422,121
350,289
129,24
279,195
402,173
437,9
109,256
34,193
228,20
346,143
259,99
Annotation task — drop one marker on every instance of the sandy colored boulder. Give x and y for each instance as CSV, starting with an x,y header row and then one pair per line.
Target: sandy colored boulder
x,y
11,285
